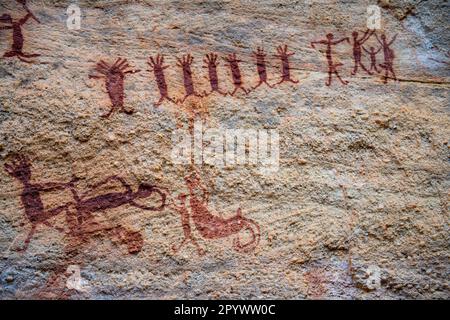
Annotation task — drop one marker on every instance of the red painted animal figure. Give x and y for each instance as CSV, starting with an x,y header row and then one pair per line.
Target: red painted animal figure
x,y
357,52
211,64
284,55
30,197
158,68
233,63
86,205
332,67
114,76
24,5
212,227
260,56
17,46
388,64
185,63
186,225
373,58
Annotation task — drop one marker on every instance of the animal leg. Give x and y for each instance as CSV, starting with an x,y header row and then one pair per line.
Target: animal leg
x,y
29,236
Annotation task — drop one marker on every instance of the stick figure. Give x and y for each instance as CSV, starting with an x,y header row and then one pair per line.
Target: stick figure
x,y
373,58
233,63
260,56
211,63
185,63
389,56
284,55
158,70
357,53
332,67
17,46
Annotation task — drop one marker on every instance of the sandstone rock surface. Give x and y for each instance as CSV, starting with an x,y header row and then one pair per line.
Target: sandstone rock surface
x,y
358,208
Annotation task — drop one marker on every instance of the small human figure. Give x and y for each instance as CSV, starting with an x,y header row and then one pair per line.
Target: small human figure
x,y
17,45
260,56
185,63
357,52
332,67
114,76
211,64
284,55
233,63
388,64
373,58
158,67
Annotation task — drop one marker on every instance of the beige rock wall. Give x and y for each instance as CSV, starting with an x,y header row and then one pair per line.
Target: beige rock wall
x,y
357,209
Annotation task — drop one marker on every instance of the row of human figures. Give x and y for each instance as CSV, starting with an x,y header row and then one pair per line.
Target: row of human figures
x,y
84,213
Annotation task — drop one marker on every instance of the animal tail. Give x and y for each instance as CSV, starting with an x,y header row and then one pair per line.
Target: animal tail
x,y
253,228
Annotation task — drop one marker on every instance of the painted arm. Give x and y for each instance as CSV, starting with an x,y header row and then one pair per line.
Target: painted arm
x,y
378,51
24,19
319,42
379,41
5,28
343,39
393,39
366,50
367,35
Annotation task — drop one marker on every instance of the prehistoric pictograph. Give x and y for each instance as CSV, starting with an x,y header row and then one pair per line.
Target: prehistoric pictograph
x,y
158,67
388,64
185,63
357,49
332,66
79,213
233,63
211,226
20,168
261,67
211,63
284,55
373,59
18,39
114,76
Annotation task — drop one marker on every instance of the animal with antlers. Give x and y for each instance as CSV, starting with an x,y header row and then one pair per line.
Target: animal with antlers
x,y
211,64
20,168
284,55
185,63
18,39
114,76
211,226
158,68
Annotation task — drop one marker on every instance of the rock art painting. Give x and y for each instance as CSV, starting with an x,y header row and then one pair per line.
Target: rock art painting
x,y
239,150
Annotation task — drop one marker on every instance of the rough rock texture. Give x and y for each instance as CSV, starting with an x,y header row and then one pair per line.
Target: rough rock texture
x,y
358,208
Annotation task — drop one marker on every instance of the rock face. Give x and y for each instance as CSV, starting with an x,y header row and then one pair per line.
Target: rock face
x,y
95,205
